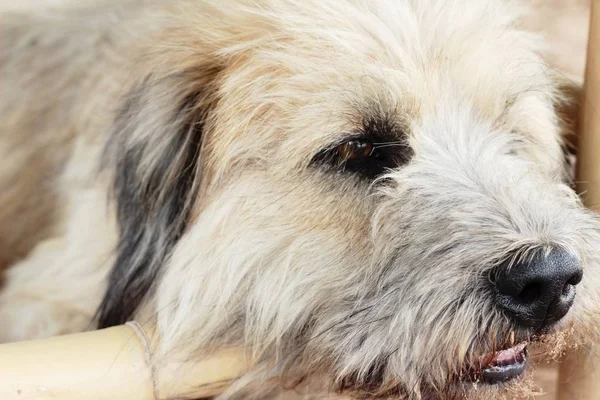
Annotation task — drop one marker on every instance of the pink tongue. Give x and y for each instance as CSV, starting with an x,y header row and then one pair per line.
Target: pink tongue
x,y
508,356
505,356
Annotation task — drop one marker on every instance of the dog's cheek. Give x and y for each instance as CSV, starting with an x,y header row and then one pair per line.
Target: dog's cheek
x,y
251,268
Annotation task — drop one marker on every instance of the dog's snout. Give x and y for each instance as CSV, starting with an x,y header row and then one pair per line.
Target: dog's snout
x,y
541,290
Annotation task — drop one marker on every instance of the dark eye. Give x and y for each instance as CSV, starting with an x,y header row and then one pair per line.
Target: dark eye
x,y
364,157
355,150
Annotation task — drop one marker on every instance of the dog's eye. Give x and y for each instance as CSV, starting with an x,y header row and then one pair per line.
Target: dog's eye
x,y
355,150
365,157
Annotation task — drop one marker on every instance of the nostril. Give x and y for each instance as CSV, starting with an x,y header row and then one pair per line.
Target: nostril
x,y
530,293
575,279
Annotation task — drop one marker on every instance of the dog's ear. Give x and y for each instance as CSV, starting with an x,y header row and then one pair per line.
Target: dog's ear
x,y
154,151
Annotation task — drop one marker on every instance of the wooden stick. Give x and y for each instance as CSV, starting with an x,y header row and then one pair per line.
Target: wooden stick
x,y
588,170
109,364
579,377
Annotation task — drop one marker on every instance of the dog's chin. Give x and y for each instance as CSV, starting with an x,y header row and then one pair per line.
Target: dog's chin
x,y
501,370
506,368
498,371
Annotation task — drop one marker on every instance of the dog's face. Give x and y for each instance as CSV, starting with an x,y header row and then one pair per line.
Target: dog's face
x,y
371,190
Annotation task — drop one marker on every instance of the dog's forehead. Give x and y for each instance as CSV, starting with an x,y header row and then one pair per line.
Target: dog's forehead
x,y
323,66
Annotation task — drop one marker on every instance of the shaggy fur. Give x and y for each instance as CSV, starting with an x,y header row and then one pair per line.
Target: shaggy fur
x,y
177,162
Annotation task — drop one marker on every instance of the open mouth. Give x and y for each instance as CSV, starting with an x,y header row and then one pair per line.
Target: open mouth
x,y
502,366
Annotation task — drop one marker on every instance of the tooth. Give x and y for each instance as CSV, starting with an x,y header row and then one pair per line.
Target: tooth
x,y
512,338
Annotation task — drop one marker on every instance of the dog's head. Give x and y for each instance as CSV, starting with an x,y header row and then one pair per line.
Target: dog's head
x,y
369,190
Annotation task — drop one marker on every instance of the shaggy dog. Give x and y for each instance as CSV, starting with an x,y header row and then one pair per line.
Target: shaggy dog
x,y
371,195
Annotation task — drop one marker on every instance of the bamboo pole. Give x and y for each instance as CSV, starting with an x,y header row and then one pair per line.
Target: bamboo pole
x,y
579,376
108,364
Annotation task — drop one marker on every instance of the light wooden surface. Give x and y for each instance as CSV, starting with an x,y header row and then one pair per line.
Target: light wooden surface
x,y
546,377
101,365
580,372
109,364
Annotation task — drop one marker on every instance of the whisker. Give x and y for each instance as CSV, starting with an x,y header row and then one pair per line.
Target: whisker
x,y
392,142
390,145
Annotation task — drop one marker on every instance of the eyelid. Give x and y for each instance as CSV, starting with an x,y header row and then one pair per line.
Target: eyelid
x,y
349,138
330,150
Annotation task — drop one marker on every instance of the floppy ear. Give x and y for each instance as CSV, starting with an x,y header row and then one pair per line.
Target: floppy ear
x,y
154,151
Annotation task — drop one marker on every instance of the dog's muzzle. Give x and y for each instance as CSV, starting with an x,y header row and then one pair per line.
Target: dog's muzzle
x,y
534,294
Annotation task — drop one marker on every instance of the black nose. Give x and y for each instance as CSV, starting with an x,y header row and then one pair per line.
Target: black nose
x,y
541,290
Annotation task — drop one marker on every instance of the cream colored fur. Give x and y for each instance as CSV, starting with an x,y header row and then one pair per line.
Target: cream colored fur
x,y
323,276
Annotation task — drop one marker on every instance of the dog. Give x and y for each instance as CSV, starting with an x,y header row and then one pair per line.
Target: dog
x,y
371,195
